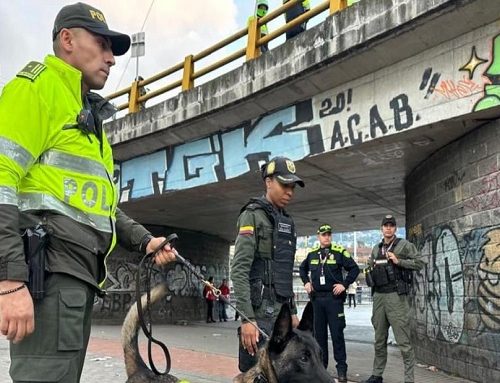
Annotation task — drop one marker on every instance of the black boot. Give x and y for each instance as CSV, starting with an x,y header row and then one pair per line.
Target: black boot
x,y
342,377
374,379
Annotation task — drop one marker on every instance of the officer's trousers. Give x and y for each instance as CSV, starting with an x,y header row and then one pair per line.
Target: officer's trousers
x,y
55,352
329,311
391,309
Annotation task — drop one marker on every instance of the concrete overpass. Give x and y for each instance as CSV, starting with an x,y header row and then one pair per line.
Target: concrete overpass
x,y
388,106
374,88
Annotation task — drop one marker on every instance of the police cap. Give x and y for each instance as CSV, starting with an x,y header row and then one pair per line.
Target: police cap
x,y
325,228
80,15
389,220
283,169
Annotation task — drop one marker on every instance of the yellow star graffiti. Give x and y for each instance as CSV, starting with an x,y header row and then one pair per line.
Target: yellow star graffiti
x,y
473,63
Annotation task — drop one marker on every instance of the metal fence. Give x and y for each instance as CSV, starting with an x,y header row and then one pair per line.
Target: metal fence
x,y
137,96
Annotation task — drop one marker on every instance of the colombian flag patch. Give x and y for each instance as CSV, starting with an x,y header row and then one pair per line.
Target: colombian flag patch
x,y
246,230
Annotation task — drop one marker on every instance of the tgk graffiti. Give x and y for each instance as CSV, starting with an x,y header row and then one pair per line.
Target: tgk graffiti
x,y
223,155
460,281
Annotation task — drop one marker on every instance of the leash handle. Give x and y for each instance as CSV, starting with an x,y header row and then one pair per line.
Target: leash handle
x,y
147,328
216,291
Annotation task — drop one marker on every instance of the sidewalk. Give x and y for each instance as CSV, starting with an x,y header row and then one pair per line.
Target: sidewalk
x,y
206,353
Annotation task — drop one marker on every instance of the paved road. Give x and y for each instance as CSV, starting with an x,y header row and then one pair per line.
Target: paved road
x,y
206,353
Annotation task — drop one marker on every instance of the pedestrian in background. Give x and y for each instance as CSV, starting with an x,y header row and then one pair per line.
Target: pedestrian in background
x,y
210,298
323,278
223,299
351,292
56,169
391,263
294,12
261,9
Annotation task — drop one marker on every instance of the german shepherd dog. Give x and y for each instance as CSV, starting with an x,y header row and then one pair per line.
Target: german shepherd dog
x,y
291,355
137,370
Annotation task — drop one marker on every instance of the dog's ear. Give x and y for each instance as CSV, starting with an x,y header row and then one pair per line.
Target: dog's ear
x,y
282,330
307,321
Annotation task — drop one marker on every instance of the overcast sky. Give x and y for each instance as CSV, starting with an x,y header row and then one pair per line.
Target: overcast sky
x,y
174,29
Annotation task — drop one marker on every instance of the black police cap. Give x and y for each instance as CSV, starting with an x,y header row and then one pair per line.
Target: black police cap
x,y
283,169
80,15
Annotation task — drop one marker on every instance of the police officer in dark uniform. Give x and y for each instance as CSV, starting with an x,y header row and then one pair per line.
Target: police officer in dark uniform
x,y
264,253
321,273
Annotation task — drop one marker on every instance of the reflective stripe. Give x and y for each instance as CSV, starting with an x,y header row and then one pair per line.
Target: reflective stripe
x,y
39,201
73,163
16,152
8,195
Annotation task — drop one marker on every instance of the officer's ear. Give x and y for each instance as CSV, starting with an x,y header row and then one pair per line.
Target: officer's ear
x,y
267,182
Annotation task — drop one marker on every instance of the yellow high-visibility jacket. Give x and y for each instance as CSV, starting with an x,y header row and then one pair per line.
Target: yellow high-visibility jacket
x,y
56,171
263,28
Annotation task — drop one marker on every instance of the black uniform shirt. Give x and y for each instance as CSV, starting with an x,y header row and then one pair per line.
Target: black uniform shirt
x,y
328,262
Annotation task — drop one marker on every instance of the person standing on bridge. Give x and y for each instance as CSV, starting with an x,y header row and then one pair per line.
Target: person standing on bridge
x,y
264,252
56,169
391,264
322,275
261,8
294,12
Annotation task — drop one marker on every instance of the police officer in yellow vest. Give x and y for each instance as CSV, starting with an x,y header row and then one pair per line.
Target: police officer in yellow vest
x,y
322,275
56,171
294,12
261,9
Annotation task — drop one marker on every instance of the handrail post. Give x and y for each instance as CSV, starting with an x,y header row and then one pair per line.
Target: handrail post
x,y
253,51
133,103
187,74
337,5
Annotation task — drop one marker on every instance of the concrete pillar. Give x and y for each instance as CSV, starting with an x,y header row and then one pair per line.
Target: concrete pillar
x,y
184,301
453,216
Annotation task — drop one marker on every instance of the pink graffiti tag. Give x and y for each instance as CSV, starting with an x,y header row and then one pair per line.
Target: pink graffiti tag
x,y
488,196
451,89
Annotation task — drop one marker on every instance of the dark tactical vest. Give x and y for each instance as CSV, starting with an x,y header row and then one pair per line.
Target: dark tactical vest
x,y
278,272
385,274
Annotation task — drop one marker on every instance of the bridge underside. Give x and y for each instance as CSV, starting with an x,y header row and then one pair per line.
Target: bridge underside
x,y
350,188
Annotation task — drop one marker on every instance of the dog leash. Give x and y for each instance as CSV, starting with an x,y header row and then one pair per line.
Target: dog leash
x,y
171,240
147,328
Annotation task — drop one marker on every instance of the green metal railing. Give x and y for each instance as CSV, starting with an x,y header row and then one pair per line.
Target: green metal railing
x,y
251,51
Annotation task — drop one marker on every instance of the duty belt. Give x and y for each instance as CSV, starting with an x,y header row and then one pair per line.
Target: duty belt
x,y
390,288
281,299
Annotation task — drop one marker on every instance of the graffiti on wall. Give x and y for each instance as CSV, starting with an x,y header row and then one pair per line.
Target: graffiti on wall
x,y
486,193
491,96
179,280
412,93
460,282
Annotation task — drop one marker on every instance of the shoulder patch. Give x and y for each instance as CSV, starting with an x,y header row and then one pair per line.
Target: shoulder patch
x,y
246,230
314,248
337,247
32,70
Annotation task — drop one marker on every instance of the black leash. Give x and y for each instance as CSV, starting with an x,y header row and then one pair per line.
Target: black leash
x,y
148,260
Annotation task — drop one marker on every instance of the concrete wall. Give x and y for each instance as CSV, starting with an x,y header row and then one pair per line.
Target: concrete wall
x,y
453,215
184,300
439,84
